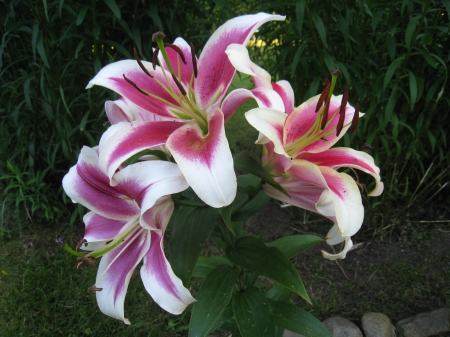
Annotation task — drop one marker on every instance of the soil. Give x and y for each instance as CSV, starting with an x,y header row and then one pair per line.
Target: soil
x,y
407,275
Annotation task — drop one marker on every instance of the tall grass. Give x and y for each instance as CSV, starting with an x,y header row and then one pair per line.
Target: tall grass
x,y
393,56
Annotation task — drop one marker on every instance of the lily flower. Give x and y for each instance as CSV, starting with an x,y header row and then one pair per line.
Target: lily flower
x,y
297,152
189,91
125,225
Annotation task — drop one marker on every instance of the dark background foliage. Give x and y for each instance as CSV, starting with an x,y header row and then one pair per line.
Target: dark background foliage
x,y
393,55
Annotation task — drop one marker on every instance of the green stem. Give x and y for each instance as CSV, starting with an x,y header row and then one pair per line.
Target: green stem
x,y
71,251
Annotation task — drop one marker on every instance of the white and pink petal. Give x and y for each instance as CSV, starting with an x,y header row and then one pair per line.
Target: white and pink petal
x,y
215,71
159,280
115,271
205,160
346,157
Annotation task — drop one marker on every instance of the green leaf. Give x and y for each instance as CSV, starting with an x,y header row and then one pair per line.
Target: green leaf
x,y
410,30
252,207
300,13
295,319
412,89
390,107
205,265
269,262
297,56
293,245
212,299
246,162
391,46
191,228
376,19
391,70
41,50
81,15
114,8
279,293
317,20
253,314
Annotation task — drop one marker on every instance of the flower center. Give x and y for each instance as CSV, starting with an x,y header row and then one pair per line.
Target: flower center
x,y
325,124
172,83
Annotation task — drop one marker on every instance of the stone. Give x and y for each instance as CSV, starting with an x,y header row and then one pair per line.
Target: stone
x,y
341,327
288,333
375,324
426,324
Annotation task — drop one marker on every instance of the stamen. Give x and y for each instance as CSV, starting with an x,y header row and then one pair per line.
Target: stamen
x,y
136,56
83,259
180,87
340,124
323,95
155,57
194,60
355,119
325,114
134,85
79,244
177,49
92,290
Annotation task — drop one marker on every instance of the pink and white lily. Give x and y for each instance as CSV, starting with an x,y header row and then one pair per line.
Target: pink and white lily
x,y
189,91
125,225
297,152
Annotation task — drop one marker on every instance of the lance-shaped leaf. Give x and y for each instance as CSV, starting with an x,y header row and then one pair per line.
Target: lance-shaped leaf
x,y
295,244
269,262
205,265
253,314
212,299
191,229
295,319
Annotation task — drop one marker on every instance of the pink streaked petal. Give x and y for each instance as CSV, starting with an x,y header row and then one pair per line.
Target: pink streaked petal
x,y
159,280
270,123
239,58
301,194
87,184
121,110
146,182
274,163
302,119
264,97
346,157
111,77
157,218
129,140
215,72
206,160
99,228
114,273
346,197
284,89
177,63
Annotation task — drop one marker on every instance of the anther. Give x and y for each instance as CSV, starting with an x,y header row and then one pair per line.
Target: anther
x,y
355,119
194,60
86,259
79,244
180,87
136,56
92,290
134,85
325,114
155,57
158,36
340,124
177,49
323,95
